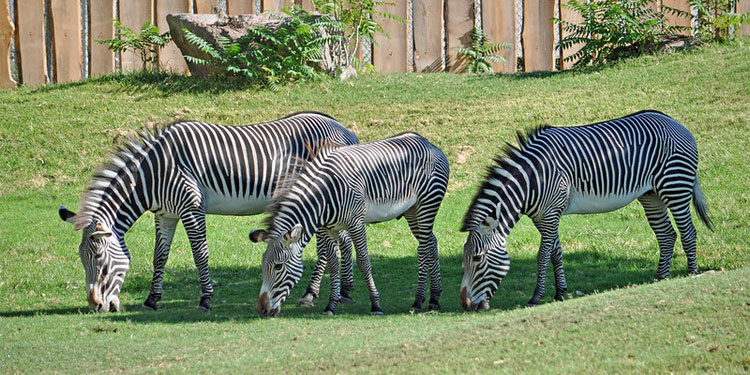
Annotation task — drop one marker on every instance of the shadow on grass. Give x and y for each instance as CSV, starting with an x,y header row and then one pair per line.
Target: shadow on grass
x,y
165,84
236,289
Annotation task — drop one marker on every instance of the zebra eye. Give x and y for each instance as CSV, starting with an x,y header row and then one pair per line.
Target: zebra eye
x,y
278,266
478,258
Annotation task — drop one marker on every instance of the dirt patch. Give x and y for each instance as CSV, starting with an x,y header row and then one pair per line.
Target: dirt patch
x,y
463,153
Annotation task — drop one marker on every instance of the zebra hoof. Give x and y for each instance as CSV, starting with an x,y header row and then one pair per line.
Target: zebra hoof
x,y
532,304
306,301
413,310
346,298
377,313
150,303
146,307
433,307
328,313
205,304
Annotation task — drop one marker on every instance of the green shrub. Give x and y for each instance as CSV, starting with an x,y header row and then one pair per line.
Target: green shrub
x,y
716,18
145,43
353,21
612,29
480,55
268,57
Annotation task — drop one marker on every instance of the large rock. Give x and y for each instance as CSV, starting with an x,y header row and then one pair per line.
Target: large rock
x,y
211,26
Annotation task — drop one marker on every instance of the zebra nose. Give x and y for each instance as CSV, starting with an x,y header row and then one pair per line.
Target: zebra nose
x,y
264,305
95,302
465,300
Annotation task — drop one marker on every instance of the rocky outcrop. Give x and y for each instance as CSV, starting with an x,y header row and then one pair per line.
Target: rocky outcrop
x,y
210,27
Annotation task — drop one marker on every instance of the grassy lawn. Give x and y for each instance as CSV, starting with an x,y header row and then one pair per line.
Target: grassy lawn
x,y
620,321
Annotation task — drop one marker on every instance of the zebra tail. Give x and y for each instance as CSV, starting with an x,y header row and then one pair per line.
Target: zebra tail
x,y
699,201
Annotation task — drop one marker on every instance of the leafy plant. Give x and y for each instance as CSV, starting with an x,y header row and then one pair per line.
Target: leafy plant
x,y
265,56
480,54
716,18
612,29
353,21
144,44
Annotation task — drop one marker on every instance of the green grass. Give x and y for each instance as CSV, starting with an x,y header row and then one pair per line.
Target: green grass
x,y
53,138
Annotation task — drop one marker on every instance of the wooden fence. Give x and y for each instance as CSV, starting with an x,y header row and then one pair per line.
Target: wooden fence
x,y
65,31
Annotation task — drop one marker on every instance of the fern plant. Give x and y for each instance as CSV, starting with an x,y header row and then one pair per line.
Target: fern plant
x,y
481,54
265,56
612,29
144,43
715,19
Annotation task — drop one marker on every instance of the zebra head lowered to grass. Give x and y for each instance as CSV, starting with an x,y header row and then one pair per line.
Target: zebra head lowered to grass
x,y
183,172
343,189
595,168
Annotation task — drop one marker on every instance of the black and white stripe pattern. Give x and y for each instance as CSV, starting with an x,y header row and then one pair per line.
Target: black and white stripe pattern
x,y
183,172
579,170
342,190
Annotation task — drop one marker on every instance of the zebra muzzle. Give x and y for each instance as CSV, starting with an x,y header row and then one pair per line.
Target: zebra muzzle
x,y
264,307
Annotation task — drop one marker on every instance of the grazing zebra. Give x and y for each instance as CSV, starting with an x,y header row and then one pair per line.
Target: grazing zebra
x,y
183,172
580,170
343,189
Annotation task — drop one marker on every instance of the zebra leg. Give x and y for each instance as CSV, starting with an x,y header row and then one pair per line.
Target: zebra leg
x,y
333,271
688,236
548,229
194,222
658,219
165,228
359,238
313,288
428,262
347,267
561,285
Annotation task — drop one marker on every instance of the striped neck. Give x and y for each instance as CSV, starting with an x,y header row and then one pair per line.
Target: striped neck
x,y
503,196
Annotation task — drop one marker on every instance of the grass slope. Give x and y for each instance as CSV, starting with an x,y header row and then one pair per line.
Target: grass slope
x,y
53,138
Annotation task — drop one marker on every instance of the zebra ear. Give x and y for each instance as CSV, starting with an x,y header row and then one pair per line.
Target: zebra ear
x,y
491,221
258,235
293,235
66,215
100,232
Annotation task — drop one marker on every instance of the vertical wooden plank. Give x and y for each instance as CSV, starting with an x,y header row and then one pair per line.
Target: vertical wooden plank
x,y
133,14
305,4
235,7
6,35
572,17
207,6
743,6
499,24
538,35
30,44
65,17
101,14
275,5
675,20
390,55
428,35
459,22
170,57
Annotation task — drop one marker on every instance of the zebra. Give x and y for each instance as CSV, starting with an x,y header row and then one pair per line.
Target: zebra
x,y
184,171
594,168
342,189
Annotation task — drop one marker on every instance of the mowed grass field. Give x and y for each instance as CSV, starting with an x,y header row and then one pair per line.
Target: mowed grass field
x,y
616,318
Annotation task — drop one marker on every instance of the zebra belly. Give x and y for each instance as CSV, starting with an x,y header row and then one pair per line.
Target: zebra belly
x,y
592,204
218,204
379,212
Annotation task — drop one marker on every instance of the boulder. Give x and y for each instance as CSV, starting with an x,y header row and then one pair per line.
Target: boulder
x,y
210,27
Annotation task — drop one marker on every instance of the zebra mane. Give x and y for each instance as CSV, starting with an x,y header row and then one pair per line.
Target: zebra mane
x,y
125,158
509,156
317,153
